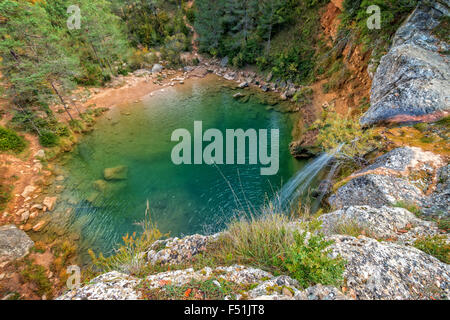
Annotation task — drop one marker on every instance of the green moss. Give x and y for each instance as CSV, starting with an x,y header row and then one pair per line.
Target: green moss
x,y
11,141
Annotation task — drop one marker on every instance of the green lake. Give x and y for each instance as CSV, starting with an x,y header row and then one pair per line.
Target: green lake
x,y
183,199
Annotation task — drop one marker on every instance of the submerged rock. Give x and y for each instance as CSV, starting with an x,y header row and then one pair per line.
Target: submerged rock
x,y
14,243
413,80
381,270
116,173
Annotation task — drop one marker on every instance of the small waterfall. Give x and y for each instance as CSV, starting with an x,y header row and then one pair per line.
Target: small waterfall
x,y
300,183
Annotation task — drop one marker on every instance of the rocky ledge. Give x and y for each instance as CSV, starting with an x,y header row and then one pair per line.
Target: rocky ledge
x,y
402,175
412,80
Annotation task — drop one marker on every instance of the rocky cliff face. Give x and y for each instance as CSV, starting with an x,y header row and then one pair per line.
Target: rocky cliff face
x,y
412,81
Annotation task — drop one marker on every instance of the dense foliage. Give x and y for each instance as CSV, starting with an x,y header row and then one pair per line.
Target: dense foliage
x,y
11,141
279,36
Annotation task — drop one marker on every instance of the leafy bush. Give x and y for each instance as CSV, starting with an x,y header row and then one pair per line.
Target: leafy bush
x,y
270,243
436,246
11,141
307,260
48,139
336,130
5,195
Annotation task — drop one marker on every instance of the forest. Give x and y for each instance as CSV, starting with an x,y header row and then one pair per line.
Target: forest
x,y
42,60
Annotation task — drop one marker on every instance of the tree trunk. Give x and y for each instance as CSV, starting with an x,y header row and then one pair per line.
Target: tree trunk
x,y
62,101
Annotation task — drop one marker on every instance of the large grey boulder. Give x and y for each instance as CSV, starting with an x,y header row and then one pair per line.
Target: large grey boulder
x,y
382,270
379,223
412,80
14,243
116,173
405,174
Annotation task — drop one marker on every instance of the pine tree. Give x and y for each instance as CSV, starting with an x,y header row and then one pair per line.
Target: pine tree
x,y
208,24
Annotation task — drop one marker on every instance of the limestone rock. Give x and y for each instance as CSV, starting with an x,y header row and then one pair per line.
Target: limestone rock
x,y
14,243
176,250
382,270
412,80
381,223
109,286
50,202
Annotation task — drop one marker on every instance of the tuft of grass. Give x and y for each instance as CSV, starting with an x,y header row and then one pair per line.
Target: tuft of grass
x,y
411,207
435,246
11,141
422,127
351,228
130,256
271,243
210,289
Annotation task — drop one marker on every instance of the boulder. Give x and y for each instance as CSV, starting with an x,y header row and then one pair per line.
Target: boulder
x,y
303,150
40,154
375,191
116,173
379,223
14,243
157,68
404,174
412,80
387,271
243,85
224,62
49,203
100,185
175,251
109,286
28,191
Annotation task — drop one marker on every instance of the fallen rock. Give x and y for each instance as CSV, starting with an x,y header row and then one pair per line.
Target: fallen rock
x,y
116,173
382,270
28,191
50,202
40,154
100,185
412,80
109,286
14,243
175,251
157,68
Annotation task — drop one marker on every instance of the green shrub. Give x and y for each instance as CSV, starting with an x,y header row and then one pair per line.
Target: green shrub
x,y
271,244
11,141
336,130
307,260
435,246
48,139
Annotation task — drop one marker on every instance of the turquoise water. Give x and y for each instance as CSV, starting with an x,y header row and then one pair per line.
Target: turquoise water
x,y
183,199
